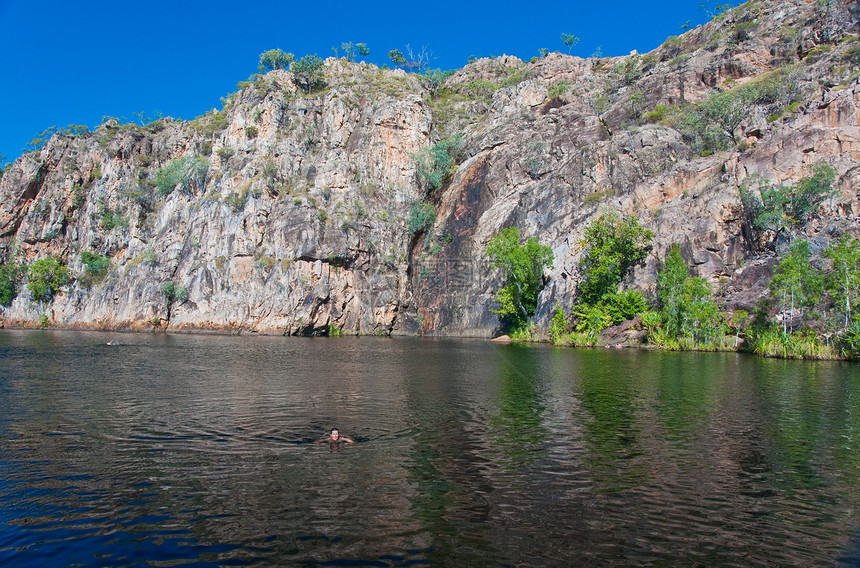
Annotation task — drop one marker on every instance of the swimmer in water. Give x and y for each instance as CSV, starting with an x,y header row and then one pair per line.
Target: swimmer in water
x,y
334,438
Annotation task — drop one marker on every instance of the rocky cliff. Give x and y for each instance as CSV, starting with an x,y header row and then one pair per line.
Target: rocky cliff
x,y
288,212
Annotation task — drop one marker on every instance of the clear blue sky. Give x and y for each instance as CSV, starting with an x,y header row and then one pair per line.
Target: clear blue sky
x,y
73,62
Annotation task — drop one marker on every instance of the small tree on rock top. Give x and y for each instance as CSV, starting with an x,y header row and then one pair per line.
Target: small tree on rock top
x,y
274,59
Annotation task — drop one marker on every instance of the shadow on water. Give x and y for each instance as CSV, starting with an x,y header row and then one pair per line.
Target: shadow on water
x,y
171,450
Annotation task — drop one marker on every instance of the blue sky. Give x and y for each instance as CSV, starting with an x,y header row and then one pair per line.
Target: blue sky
x,y
73,62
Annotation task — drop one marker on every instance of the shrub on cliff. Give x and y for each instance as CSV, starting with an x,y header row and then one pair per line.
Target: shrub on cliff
x,y
45,277
780,210
422,216
435,164
184,172
522,266
95,268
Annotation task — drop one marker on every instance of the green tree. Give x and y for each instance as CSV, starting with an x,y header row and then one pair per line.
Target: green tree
x,y
522,266
569,40
612,247
687,305
670,290
45,277
702,319
308,73
10,278
274,59
726,109
352,51
173,293
795,283
397,58
843,279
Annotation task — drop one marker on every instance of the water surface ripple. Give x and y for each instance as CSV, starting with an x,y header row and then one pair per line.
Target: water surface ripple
x,y
198,451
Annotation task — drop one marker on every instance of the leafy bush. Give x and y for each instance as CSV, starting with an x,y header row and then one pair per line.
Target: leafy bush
x,y
688,316
672,47
95,268
184,172
624,305
743,31
45,277
436,77
522,266
591,319
558,325
421,217
174,293
224,155
111,219
210,123
659,113
434,164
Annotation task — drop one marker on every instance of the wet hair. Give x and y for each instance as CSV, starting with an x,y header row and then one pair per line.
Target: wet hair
x,y
333,430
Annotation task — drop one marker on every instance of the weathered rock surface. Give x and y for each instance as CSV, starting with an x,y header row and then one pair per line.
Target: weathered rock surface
x,y
291,217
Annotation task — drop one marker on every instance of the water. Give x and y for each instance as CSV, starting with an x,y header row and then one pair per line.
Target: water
x,y
197,450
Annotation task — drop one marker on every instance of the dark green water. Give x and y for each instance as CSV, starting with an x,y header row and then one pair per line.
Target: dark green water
x,y
196,450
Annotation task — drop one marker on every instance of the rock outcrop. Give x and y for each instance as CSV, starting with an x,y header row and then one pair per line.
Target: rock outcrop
x,y
288,212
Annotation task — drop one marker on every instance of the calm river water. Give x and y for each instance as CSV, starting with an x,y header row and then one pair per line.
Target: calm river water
x,y
197,450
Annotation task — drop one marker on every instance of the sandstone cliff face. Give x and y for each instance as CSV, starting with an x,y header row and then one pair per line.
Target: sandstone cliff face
x,y
290,215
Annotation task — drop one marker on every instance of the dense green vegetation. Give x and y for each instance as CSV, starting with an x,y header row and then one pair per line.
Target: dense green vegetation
x,y
612,246
811,312
522,266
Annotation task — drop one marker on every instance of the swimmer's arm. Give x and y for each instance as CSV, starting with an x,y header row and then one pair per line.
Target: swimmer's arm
x,y
347,440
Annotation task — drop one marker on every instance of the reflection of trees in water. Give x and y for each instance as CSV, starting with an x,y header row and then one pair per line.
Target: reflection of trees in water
x,y
612,433
518,437
445,464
